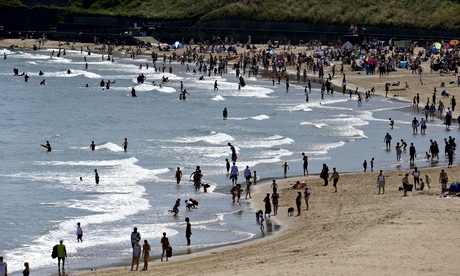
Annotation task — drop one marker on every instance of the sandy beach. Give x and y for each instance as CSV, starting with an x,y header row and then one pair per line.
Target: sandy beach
x,y
355,231
352,232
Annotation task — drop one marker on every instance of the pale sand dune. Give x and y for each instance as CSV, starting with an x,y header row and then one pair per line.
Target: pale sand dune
x,y
352,232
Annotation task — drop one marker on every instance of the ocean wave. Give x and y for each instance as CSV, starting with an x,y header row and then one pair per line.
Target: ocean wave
x,y
214,138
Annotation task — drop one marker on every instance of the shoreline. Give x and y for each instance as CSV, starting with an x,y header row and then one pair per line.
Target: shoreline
x,y
267,249
318,235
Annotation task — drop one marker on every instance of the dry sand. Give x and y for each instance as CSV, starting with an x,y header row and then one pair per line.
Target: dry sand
x,y
352,232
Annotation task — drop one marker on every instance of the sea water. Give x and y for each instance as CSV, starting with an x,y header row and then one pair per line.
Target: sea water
x,y
42,197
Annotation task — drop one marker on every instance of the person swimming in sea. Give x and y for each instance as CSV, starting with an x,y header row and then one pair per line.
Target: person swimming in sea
x,y
47,146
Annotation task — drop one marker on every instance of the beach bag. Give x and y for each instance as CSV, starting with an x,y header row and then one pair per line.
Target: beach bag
x,y
377,186
54,254
169,252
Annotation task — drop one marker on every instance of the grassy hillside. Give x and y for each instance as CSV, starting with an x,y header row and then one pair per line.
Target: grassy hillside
x,y
425,14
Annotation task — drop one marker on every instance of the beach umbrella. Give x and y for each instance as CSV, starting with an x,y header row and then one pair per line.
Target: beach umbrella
x,y
454,42
437,45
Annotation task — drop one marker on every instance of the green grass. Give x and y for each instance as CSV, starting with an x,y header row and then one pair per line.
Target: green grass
x,y
424,14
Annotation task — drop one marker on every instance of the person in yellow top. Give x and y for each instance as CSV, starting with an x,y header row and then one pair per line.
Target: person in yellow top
x,y
61,253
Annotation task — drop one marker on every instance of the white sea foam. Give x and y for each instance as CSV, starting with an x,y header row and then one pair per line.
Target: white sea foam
x,y
260,117
217,98
214,138
272,141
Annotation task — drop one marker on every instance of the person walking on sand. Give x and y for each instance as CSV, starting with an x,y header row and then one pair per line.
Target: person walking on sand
x,y
405,182
305,163
178,175
275,201
306,195
164,245
428,181
136,255
146,254
248,190
188,230
443,179
335,177
61,254
79,233
274,186
268,205
298,202
416,175
285,168
96,176
325,174
381,182
125,145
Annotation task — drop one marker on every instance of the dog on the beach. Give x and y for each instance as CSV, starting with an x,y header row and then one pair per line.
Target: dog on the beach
x,y
258,213
260,218
290,211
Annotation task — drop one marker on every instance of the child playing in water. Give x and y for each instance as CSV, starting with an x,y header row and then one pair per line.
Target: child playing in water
x,y
286,168
228,165
427,155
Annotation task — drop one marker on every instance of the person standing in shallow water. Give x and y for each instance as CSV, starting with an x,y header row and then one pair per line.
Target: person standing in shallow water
x,y
178,175
232,148
305,163
92,146
125,145
188,230
225,113
96,176
79,233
